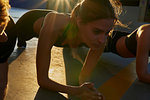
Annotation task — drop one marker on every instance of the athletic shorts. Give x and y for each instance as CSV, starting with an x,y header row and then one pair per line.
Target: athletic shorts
x,y
6,48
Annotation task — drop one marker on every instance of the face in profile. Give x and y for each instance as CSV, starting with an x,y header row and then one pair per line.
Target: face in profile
x,y
94,34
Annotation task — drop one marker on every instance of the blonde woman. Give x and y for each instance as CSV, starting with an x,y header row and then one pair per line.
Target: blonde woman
x,y
7,43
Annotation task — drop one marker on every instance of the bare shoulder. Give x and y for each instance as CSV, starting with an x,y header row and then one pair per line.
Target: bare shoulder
x,y
53,26
143,36
57,20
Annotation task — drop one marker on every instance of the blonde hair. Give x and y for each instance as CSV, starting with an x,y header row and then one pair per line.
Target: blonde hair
x,y
4,15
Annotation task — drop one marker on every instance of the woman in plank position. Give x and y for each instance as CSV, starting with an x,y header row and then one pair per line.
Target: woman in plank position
x,y
88,25
135,44
128,45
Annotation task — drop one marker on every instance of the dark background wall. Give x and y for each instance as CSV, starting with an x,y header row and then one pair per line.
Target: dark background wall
x,y
29,4
130,2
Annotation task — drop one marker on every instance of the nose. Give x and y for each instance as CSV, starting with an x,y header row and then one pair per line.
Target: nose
x,y
102,38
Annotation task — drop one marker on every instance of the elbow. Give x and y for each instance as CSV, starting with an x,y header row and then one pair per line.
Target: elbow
x,y
142,76
42,82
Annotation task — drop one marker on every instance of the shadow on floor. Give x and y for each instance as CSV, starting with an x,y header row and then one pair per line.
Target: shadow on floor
x,y
108,67
44,94
15,54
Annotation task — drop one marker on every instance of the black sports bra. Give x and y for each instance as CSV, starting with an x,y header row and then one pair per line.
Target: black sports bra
x,y
62,38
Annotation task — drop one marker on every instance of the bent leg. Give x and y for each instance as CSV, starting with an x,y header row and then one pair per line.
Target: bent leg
x,y
25,25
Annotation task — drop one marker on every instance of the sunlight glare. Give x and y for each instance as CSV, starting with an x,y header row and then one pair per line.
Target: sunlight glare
x,y
40,3
61,5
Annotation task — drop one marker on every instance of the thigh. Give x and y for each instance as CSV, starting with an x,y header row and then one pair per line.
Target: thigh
x,y
25,24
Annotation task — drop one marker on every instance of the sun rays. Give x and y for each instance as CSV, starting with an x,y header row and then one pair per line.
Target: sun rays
x,y
61,5
58,5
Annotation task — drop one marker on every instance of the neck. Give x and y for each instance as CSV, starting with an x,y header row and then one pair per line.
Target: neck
x,y
76,42
73,42
72,35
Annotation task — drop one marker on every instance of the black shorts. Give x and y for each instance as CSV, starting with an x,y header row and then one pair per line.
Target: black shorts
x,y
112,40
6,48
24,25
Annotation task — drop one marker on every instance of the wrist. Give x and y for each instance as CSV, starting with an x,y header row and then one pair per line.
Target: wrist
x,y
73,90
84,78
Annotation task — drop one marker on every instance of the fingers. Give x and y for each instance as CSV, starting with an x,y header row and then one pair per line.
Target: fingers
x,y
90,85
90,92
94,94
96,98
97,95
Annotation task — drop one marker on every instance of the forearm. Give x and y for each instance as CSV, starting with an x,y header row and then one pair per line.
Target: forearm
x,y
90,64
45,82
55,86
43,79
91,60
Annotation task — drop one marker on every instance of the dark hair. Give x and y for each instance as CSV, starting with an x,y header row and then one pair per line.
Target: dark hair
x,y
4,15
90,10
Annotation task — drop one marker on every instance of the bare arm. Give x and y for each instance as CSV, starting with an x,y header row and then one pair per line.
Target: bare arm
x,y
143,48
90,63
46,40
